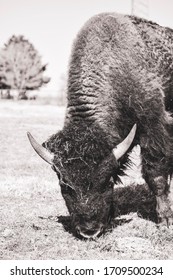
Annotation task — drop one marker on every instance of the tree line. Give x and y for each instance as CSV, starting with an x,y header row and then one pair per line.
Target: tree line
x,y
21,68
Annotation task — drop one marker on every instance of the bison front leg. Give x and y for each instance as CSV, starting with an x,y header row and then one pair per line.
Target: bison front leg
x,y
156,167
160,186
163,205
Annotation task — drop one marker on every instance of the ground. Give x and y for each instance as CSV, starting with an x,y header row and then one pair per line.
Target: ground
x,y
30,200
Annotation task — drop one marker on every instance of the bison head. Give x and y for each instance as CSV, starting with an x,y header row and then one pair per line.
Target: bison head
x,y
85,167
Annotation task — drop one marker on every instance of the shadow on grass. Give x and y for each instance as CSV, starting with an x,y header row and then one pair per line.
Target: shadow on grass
x,y
66,222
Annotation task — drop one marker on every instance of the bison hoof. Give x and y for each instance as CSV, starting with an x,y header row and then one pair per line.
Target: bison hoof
x,y
164,212
165,221
165,218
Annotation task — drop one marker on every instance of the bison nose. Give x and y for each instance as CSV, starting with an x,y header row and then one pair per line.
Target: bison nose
x,y
88,232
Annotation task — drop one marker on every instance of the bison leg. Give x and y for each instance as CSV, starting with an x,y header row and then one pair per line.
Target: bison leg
x,y
163,206
160,187
156,166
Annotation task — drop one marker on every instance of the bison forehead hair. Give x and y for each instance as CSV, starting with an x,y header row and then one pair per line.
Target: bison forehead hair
x,y
78,152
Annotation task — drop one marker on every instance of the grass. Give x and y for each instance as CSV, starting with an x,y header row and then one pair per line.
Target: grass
x,y
30,200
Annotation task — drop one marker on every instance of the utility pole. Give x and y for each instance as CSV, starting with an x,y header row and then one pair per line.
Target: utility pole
x,y
140,8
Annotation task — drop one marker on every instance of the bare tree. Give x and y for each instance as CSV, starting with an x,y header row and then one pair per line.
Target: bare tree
x,y
21,67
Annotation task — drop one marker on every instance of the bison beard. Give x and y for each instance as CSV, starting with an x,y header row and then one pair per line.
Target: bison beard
x,y
120,74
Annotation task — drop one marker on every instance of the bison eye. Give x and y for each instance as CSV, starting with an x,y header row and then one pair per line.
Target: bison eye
x,y
54,168
65,184
62,181
67,190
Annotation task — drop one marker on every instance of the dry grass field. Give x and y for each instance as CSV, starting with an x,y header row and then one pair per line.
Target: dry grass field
x,y
30,200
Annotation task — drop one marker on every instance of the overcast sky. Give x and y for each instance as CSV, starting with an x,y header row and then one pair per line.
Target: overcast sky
x,y
51,25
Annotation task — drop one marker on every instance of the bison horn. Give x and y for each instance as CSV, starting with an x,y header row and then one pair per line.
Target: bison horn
x,y
40,150
122,148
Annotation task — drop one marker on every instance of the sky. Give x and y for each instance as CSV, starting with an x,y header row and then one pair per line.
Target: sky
x,y
51,25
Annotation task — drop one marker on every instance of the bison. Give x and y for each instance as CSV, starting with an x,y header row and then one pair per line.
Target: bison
x,y
120,83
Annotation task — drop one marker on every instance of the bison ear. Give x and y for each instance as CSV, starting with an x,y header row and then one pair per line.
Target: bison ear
x,y
122,148
40,150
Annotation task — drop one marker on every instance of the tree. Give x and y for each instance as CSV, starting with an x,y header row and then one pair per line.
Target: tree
x,y
20,66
